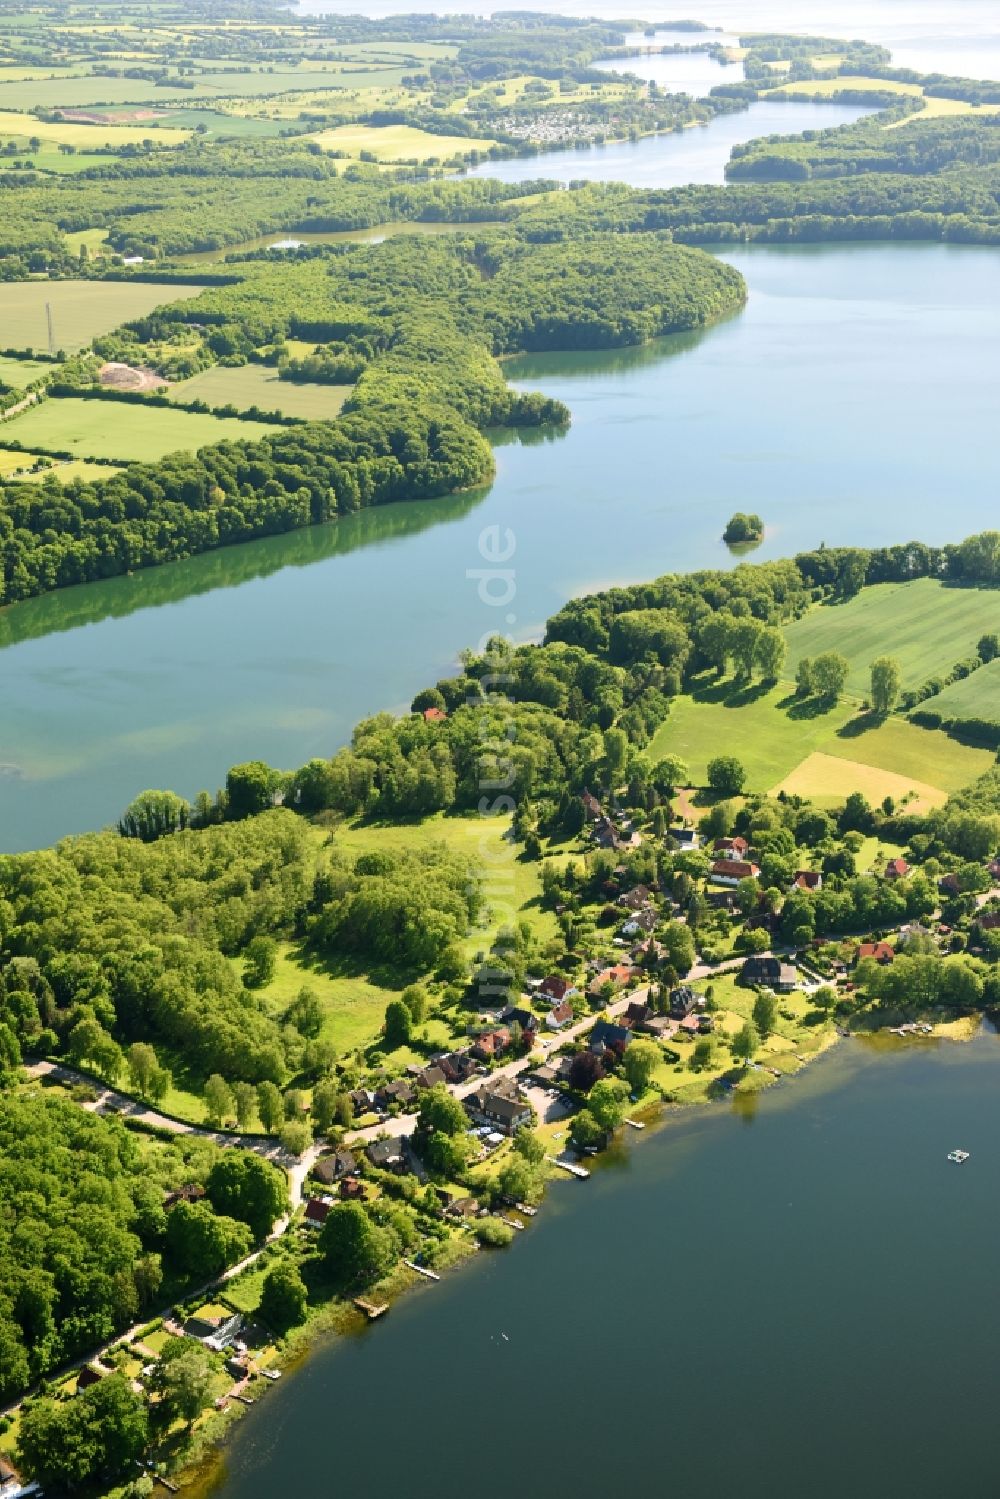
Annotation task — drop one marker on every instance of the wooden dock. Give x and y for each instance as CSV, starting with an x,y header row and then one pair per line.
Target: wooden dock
x,y
512,1222
578,1171
635,1124
370,1308
421,1270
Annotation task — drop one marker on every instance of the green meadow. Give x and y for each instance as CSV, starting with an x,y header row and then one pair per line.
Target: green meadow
x,y
925,624
976,696
81,310
255,385
123,430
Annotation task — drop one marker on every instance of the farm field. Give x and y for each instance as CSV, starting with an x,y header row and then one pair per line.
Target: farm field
x,y
255,385
824,755
977,696
924,624
117,429
21,372
825,88
84,136
81,310
397,142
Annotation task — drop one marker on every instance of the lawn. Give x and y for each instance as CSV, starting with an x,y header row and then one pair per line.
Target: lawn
x,y
398,142
84,136
925,625
81,310
976,696
831,754
123,430
256,385
354,1004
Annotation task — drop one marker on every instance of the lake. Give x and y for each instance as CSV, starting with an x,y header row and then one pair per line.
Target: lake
x,y
696,154
796,1300
852,401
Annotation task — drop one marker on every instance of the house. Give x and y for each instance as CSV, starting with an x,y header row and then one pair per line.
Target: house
x,y
637,899
684,1000
351,1189
606,1036
434,715
387,1155
636,1015
642,922
592,806
691,1024
90,1374
731,848
807,879
362,1100
457,1066
216,1332
317,1211
880,951
988,921
526,1019
685,838
559,1015
897,869
557,1070
555,987
397,1092
619,973
949,884
463,1207
430,1077
770,973
994,867
660,1027
499,1107
192,1192
491,1044
333,1168
731,871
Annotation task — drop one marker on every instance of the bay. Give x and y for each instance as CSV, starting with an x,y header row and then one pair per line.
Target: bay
x,y
794,1300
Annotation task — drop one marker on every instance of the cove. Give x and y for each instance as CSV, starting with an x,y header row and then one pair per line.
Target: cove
x,y
797,1300
853,401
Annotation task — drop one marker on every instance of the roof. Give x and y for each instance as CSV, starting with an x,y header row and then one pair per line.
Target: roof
x,y
317,1211
880,951
808,879
735,869
606,1033
896,867
556,986
723,845
331,1168
381,1152
618,974
434,715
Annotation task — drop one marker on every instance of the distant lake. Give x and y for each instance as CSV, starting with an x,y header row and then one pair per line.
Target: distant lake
x,y
854,400
797,1299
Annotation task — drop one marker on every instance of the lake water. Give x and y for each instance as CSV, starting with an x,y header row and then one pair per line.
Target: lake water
x,y
853,400
696,154
291,239
796,1301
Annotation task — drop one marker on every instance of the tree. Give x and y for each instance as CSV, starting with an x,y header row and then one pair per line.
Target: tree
x,y
249,789
65,1445
520,1181
398,1024
741,527
153,814
678,945
355,1249
270,1107
283,1297
804,678
746,1042
245,1103
584,1071
744,639
585,1132
296,1137
765,1012
528,1145
201,1243
771,652
142,1067
325,1099
829,674
607,1102
183,1379
245,1186
726,775
259,962
218,1099
640,1062
988,647
887,679
440,1111
306,1013
414,997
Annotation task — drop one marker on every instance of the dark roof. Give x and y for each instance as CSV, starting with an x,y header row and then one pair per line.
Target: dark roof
x,y
331,1168
317,1211
382,1152
605,1033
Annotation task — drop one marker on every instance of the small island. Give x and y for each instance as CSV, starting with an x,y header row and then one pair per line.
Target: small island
x,y
742,529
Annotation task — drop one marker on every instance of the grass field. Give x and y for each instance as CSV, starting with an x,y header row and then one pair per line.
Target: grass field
x,y
824,755
116,429
977,696
925,625
398,142
69,133
825,88
255,385
20,372
81,310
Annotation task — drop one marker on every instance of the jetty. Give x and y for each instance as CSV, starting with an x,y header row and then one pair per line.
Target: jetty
x,y
512,1222
421,1270
370,1308
635,1124
574,1170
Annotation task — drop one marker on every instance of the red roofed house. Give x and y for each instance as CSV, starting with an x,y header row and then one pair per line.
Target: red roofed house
x,y
880,951
807,879
434,715
556,988
559,1015
731,848
731,871
896,869
317,1211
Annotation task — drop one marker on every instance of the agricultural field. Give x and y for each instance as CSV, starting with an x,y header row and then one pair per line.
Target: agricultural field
x,y
87,136
81,310
255,385
975,696
18,373
926,625
786,746
116,429
826,88
398,142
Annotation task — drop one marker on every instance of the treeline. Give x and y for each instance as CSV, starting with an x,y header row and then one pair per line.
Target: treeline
x,y
917,149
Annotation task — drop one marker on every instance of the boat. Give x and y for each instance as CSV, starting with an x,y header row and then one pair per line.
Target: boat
x,y
958,1156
